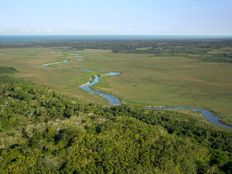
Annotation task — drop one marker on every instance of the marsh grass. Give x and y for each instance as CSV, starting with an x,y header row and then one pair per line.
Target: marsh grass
x,y
145,80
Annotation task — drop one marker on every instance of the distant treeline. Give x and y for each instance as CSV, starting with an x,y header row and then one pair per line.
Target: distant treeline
x,y
126,45
190,48
223,57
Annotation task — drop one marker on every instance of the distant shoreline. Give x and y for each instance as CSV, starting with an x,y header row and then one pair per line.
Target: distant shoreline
x,y
53,38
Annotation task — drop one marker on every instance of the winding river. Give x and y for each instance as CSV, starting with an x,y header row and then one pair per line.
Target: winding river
x,y
210,116
54,63
114,101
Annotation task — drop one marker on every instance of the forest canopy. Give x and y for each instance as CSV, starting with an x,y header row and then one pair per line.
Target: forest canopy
x,y
44,132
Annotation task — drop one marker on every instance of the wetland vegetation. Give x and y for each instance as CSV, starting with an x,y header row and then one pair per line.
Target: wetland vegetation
x,y
48,124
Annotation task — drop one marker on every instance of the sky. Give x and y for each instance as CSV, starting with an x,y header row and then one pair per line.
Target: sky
x,y
116,17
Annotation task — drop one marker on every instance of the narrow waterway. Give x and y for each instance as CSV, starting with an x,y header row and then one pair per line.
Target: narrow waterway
x,y
210,116
114,101
54,63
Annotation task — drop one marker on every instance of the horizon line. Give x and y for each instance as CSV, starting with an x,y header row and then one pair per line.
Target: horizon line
x,y
115,34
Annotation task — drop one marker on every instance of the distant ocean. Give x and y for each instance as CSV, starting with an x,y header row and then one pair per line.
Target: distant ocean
x,y
52,38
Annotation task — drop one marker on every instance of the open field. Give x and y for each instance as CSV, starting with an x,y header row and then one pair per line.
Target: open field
x,y
146,79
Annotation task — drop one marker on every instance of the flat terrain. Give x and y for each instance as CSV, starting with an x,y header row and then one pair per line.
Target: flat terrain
x,y
146,79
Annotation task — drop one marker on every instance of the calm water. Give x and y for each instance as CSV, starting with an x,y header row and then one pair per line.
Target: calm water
x,y
54,38
54,63
210,116
114,101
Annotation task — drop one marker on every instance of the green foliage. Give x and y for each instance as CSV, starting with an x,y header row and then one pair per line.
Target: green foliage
x,y
7,70
43,132
221,58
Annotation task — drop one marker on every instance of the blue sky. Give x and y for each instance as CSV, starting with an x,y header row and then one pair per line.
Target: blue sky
x,y
116,17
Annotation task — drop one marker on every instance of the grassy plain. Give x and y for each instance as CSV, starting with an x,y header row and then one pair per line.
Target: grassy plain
x,y
145,80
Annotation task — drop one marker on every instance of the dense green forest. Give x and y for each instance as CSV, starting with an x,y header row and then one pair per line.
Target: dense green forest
x,y
44,132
